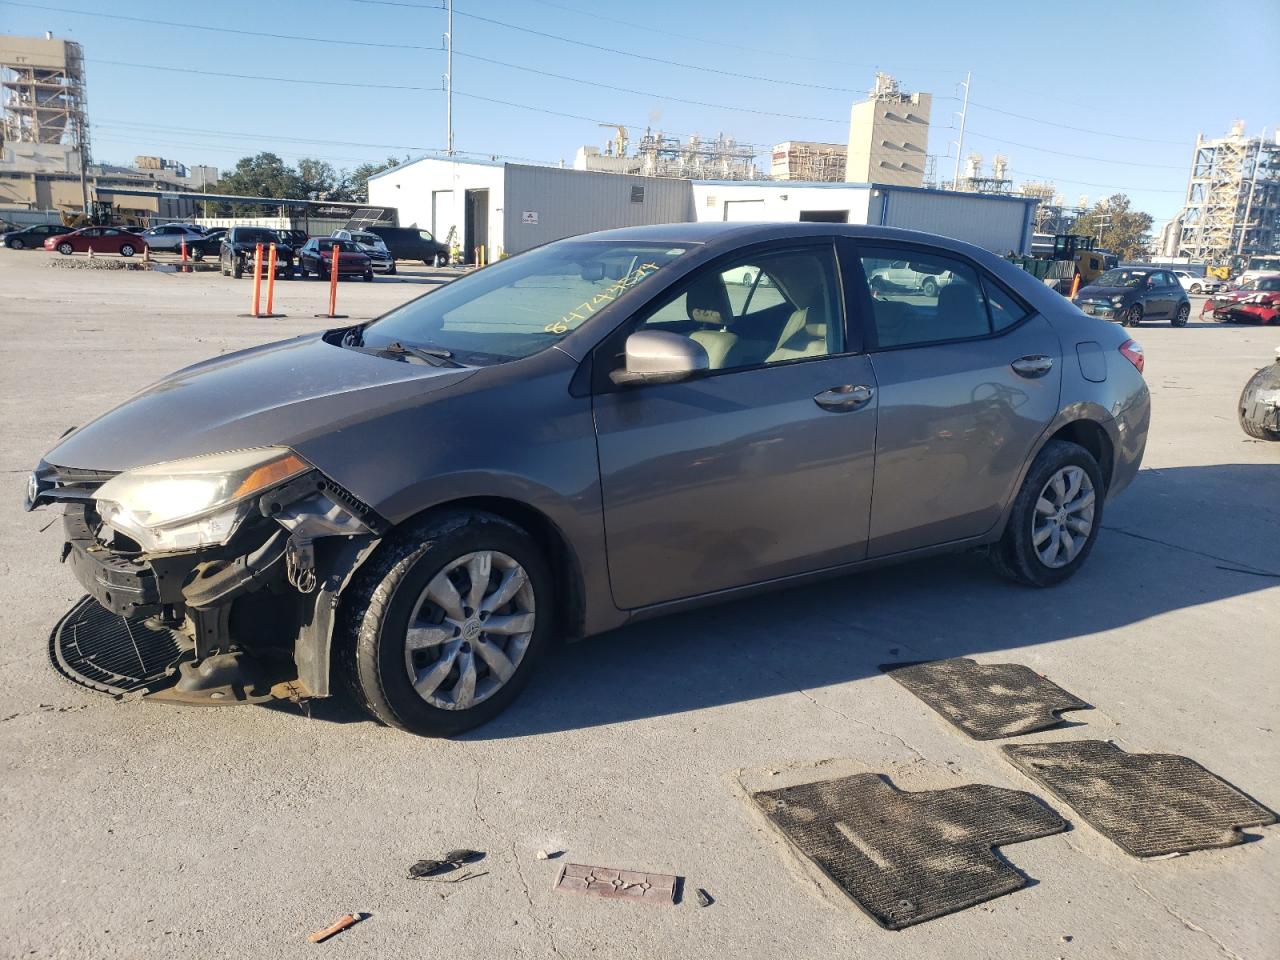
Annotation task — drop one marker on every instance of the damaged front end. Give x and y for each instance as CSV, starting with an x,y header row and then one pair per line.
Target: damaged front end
x,y
214,580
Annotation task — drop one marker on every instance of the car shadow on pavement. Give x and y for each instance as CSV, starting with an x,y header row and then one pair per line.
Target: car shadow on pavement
x,y
1174,540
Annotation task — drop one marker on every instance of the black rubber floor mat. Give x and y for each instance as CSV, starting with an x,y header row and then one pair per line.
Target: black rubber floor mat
x,y
909,857
984,700
1150,804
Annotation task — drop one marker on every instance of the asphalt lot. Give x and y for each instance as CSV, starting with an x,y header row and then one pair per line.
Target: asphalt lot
x,y
139,830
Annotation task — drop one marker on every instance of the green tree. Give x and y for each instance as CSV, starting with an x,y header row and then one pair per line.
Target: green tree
x,y
319,181
1122,230
262,175
357,182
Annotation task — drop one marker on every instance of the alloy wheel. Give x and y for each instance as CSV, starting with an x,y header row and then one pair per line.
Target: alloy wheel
x,y
1063,519
469,630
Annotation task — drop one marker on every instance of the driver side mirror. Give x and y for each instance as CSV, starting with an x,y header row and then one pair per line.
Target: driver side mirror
x,y
656,356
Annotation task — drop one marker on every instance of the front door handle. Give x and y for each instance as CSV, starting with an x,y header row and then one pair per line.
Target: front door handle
x,y
846,397
1035,366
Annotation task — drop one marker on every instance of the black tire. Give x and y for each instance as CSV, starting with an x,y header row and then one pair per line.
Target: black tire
x,y
438,260
302,271
66,249
1249,409
222,265
368,276
197,254
1133,316
391,271
322,273
1180,318
1014,555
16,244
1196,288
376,606
126,250
237,267
929,287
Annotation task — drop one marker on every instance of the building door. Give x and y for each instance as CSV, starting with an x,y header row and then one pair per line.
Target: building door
x,y
441,214
476,230
743,211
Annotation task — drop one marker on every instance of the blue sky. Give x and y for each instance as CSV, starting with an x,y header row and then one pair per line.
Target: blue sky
x,y
1134,78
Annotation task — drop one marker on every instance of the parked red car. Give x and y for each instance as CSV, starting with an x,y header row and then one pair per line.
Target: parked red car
x,y
102,239
1257,301
316,258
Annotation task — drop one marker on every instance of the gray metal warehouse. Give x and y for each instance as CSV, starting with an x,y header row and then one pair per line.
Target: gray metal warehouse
x,y
507,208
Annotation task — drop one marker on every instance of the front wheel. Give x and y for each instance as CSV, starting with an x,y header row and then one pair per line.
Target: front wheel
x,y
1180,318
368,276
1133,316
445,623
1055,517
930,287
391,270
16,244
1196,288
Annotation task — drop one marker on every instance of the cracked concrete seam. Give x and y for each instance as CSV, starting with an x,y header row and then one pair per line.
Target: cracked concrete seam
x,y
1226,951
862,723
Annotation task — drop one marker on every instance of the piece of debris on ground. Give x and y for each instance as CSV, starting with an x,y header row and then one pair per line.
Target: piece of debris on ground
x,y
618,884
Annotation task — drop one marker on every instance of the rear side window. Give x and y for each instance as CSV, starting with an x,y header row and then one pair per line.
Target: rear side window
x,y
920,298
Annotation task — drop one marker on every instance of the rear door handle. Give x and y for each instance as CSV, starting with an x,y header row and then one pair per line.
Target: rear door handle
x,y
1034,366
846,397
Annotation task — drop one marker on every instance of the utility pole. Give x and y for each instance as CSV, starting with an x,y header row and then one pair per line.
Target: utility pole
x,y
448,81
964,110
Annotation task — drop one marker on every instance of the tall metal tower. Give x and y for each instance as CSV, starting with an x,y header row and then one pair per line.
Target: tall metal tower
x,y
1233,198
42,81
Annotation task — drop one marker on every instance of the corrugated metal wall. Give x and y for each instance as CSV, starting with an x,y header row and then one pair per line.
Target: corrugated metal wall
x,y
992,223
547,203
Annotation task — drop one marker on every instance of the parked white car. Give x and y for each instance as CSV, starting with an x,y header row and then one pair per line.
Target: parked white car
x,y
901,275
1195,285
371,245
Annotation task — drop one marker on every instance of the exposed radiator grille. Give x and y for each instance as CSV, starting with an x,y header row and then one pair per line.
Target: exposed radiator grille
x,y
103,651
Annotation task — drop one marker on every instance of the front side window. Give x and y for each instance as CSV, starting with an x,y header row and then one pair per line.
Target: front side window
x,y
521,306
932,298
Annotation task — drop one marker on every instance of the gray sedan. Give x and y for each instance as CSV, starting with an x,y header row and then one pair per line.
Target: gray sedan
x,y
1131,295
603,429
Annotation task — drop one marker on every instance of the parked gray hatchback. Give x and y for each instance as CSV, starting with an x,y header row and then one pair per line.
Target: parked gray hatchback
x,y
605,428
1130,295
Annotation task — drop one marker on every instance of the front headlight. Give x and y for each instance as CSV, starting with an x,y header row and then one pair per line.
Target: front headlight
x,y
199,502
1117,301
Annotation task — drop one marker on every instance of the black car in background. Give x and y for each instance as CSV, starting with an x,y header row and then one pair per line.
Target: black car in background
x,y
235,256
406,243
294,239
33,237
1130,295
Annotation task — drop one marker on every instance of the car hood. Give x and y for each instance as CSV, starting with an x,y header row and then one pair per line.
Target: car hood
x,y
1095,292
284,393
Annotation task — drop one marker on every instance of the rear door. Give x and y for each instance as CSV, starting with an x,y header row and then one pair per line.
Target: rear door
x,y
757,470
968,378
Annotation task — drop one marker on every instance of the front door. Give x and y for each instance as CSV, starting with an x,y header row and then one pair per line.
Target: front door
x,y
760,469
968,379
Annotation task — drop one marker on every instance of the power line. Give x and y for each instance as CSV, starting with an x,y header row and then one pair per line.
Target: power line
x,y
1077,156
646,93
195,26
1087,183
1062,126
250,76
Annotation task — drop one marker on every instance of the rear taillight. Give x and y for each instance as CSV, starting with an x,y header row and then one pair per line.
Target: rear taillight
x,y
1132,351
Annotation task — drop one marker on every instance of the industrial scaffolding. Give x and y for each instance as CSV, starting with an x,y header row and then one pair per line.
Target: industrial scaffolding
x,y
1233,198
43,85
658,155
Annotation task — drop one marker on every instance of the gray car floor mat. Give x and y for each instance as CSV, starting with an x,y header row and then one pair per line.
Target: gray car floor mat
x,y
987,701
907,857
1149,804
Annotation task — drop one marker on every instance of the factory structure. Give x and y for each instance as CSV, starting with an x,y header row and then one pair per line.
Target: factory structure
x,y
46,164
1232,208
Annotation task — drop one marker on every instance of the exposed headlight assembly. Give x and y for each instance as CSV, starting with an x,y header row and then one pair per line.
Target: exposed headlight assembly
x,y
198,502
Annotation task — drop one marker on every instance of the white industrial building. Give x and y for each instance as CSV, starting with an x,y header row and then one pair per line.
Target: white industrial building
x,y
509,207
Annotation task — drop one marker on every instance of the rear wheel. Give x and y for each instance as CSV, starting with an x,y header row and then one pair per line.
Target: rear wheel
x,y
930,287
1055,517
66,249
1196,288
444,625
126,249
1180,318
1133,316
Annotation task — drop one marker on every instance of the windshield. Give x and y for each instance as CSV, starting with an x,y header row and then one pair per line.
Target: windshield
x,y
1122,278
367,239
253,235
1264,263
328,243
1268,284
521,306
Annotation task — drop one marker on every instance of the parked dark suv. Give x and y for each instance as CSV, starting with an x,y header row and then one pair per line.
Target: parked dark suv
x,y
236,253
1130,295
406,243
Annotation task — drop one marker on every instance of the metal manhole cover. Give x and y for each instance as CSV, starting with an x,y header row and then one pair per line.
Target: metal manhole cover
x,y
984,700
909,857
96,648
1149,804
